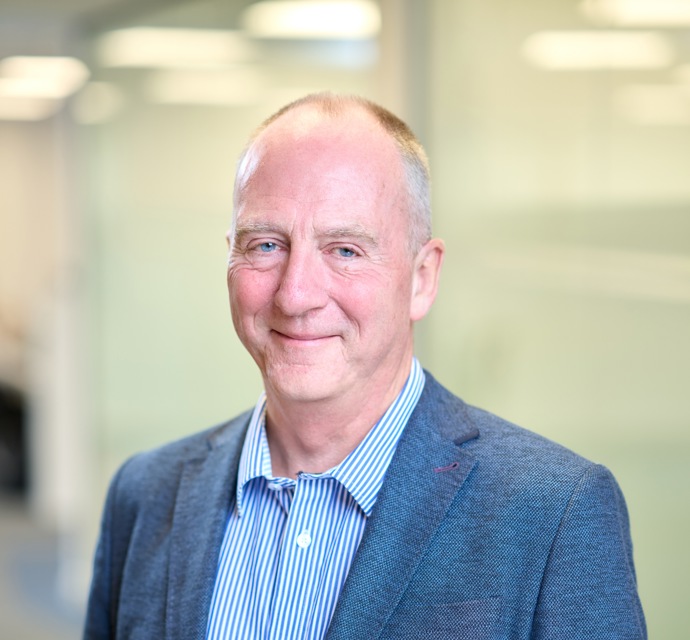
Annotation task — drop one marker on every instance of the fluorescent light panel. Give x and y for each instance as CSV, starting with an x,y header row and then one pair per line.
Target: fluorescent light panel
x,y
41,76
572,50
637,13
27,109
315,19
33,87
173,48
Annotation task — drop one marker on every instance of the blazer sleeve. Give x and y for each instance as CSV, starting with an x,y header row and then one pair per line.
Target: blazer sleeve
x,y
103,596
589,588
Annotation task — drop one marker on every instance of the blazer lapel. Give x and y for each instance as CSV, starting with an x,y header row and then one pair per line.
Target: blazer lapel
x,y
204,499
426,472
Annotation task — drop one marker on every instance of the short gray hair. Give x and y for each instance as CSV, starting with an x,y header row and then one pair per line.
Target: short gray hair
x,y
413,157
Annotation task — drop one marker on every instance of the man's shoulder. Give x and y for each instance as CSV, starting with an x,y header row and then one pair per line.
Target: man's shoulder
x,y
497,443
155,472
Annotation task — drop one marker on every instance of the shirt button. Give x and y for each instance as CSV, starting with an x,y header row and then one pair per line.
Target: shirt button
x,y
304,539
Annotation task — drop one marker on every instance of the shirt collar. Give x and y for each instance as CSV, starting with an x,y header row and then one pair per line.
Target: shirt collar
x,y
363,470
255,460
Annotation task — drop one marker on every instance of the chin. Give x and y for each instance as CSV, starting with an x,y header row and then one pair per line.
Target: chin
x,y
309,384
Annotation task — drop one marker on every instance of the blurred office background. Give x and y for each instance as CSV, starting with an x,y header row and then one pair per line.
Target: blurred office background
x,y
559,138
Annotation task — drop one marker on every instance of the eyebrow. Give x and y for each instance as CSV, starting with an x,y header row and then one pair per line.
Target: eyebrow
x,y
246,228
355,232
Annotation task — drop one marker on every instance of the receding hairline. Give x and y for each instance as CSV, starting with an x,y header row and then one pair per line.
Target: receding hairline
x,y
414,161
335,105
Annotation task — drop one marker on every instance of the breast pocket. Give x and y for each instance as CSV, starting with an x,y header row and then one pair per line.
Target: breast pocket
x,y
467,620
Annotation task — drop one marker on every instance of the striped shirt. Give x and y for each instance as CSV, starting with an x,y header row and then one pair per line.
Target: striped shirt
x,y
289,544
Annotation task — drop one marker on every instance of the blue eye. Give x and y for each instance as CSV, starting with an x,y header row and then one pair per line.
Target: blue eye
x,y
346,253
268,247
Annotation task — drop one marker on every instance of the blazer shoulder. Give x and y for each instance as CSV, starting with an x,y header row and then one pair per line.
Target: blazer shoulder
x,y
155,473
505,449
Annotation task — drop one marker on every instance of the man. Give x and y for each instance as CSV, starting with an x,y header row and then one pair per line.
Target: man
x,y
359,499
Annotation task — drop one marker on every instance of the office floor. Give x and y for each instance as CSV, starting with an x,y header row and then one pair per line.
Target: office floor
x,y
29,606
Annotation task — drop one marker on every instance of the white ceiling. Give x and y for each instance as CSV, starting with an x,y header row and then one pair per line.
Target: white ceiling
x,y
44,27
36,27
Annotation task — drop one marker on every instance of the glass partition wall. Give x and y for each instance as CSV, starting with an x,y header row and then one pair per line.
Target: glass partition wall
x,y
560,144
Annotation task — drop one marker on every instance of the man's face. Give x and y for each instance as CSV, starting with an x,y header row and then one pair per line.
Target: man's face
x,y
320,273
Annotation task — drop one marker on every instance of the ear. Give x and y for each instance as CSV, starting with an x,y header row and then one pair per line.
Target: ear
x,y
427,268
228,236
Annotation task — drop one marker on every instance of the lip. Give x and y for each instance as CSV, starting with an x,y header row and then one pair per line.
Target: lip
x,y
305,339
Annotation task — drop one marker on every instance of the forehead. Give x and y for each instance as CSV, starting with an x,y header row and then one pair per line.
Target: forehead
x,y
308,151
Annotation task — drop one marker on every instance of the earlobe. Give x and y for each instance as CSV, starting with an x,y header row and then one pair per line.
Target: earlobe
x,y
427,270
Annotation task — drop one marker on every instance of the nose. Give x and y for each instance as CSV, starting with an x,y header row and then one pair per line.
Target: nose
x,y
302,285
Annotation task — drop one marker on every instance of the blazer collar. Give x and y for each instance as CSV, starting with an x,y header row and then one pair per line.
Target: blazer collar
x,y
204,499
428,469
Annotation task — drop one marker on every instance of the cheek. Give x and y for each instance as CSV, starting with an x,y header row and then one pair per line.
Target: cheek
x,y
249,292
381,305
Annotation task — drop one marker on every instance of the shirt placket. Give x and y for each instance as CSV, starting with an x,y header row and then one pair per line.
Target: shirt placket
x,y
299,567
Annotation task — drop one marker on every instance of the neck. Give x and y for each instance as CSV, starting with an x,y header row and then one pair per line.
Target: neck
x,y
317,436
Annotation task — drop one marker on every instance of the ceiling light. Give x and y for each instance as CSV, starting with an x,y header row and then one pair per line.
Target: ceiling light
x,y
313,19
14,108
564,50
660,13
172,48
41,76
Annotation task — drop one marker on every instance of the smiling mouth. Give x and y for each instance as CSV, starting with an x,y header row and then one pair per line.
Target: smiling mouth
x,y
304,339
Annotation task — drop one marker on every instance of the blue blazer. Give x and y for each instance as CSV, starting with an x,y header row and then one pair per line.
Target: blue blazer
x,y
481,531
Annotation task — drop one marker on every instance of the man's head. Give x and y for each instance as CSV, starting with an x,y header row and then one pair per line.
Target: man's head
x,y
329,264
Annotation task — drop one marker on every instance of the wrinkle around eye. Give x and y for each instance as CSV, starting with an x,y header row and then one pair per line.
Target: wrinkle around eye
x,y
251,256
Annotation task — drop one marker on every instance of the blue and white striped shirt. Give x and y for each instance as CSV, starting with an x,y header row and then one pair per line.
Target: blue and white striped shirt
x,y
289,544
